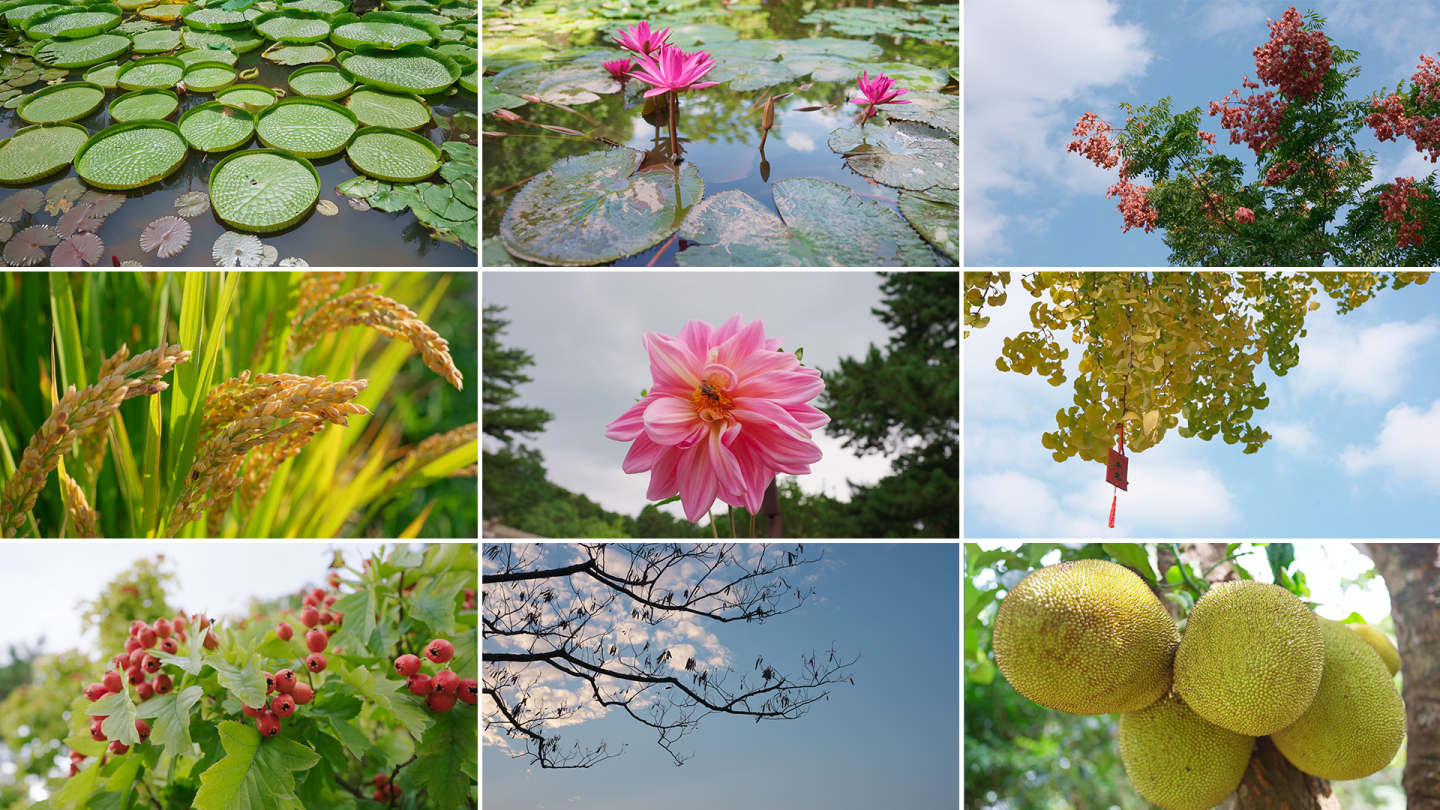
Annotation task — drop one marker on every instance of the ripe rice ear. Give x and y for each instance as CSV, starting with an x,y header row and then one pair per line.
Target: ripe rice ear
x,y
366,307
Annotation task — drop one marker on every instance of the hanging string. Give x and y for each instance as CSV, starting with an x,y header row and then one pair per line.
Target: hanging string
x,y
1114,498
1124,397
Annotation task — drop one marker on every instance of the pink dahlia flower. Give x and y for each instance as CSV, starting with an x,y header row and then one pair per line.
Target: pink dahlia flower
x,y
726,413
670,68
640,39
620,68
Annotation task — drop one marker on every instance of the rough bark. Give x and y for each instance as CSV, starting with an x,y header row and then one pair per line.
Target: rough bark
x,y
1412,575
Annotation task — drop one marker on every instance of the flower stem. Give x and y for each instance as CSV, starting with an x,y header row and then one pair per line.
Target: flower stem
x,y
674,145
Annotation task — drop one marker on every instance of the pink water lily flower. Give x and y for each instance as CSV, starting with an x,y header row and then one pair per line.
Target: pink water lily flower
x,y
879,90
671,69
620,68
640,39
726,413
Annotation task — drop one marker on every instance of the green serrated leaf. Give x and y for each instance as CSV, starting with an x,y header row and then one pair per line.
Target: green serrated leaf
x,y
434,607
358,607
443,765
172,720
254,774
247,683
119,713
386,694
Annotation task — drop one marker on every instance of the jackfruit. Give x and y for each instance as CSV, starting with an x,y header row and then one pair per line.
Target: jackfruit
x,y
1251,658
1357,721
1178,759
1380,644
1086,637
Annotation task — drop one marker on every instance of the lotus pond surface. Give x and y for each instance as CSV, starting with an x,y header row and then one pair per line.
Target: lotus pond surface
x,y
407,224
579,167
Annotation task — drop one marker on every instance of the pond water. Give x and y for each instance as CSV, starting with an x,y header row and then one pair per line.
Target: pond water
x,y
719,127
349,238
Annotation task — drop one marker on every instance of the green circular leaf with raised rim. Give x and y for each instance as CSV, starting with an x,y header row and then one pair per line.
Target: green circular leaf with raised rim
x,y
935,215
326,6
143,105
165,12
290,53
383,29
39,151
903,155
70,101
214,127
104,75
323,81
73,22
411,69
309,127
197,55
257,94
293,25
238,41
217,18
376,109
263,190
156,41
19,14
73,53
207,77
131,155
151,72
393,155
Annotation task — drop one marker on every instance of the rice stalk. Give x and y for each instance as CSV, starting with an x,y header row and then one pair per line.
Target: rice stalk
x,y
365,307
432,448
85,519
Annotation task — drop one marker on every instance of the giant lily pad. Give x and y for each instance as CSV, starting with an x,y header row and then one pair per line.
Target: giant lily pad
x,y
104,75
39,151
824,68
747,49
151,72
285,53
325,6
824,224
293,25
194,55
383,29
376,109
165,12
207,77
70,101
904,155
73,53
263,190
257,95
131,155
214,127
309,127
323,81
596,208
935,214
238,41
73,22
411,69
144,104
745,75
570,84
393,155
469,77
217,18
936,109
159,41
934,23
17,14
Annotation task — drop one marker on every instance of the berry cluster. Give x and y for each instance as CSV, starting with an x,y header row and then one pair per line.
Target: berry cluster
x,y
385,790
289,692
469,603
445,687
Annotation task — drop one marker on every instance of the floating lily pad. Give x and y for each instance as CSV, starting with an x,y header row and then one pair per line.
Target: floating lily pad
x,y
376,109
217,19
167,236
692,34
284,53
383,29
77,218
197,55
207,77
464,54
411,69
559,83
293,25
18,15
492,99
824,68
910,77
39,151
61,196
358,187
309,127
322,81
933,23
214,127
905,155
70,101
469,77
824,225
749,49
104,75
73,53
325,6
72,22
935,214
494,254
151,72
826,46
239,41
144,104
935,109
158,41
596,208
26,248
263,190
29,199
131,155
745,75
165,12
325,208
394,155
77,251
192,203
104,204
238,250
253,94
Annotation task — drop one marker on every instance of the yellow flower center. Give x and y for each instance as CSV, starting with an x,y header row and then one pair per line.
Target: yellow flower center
x,y
710,402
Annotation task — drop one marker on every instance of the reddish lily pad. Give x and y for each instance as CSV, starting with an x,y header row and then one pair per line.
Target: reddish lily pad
x,y
77,251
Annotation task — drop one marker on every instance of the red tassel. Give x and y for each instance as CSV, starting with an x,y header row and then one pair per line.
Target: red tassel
x,y
1112,508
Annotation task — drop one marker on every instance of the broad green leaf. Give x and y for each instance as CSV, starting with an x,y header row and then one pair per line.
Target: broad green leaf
x,y
444,764
207,77
216,127
935,215
904,155
386,694
358,607
144,104
285,53
75,53
223,56
938,110
383,29
562,83
255,773
321,81
338,711
933,23
157,41
171,726
36,152
411,69
246,682
293,25
492,99
263,190
237,94
238,41
745,75
76,792
374,108
393,155
131,155
435,608
72,22
153,71
826,46
119,713
306,127
70,101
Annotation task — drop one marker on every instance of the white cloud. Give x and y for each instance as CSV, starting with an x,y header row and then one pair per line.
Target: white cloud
x,y
1370,363
1295,438
1408,447
1021,61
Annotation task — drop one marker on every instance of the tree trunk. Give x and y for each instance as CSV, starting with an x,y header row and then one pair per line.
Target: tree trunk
x,y
1412,574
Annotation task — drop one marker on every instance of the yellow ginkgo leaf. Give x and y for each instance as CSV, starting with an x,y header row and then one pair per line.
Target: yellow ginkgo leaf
x,y
1151,419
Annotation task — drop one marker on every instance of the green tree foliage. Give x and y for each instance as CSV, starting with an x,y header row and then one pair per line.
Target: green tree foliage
x,y
139,591
1165,346
906,397
502,373
33,718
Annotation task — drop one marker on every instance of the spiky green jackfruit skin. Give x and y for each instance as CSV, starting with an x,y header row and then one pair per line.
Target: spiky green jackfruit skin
x,y
1380,644
1251,658
1357,721
1086,637
1178,759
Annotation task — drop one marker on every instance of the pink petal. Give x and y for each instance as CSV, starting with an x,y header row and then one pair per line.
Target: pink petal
x,y
671,420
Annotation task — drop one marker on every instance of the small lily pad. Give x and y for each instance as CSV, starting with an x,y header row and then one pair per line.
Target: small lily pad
x,y
321,81
143,104
192,203
745,75
935,109
78,251
13,206
824,68
325,208
570,84
905,155
935,214
492,99
359,187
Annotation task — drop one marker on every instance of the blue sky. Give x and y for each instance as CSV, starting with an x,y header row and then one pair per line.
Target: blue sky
x,y
891,740
1355,453
1033,67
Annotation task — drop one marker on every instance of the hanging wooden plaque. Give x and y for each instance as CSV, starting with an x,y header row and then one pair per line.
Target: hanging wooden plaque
x,y
1117,470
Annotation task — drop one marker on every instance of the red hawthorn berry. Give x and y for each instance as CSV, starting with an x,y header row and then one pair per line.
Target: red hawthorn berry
x,y
76,756
269,683
309,617
163,628
182,635
326,618
117,747
317,640
150,664
284,631
439,703
162,684
131,645
380,780
143,729
249,712
135,625
329,600
469,691
211,642
283,706
285,681
439,651
445,682
95,691
315,662
121,660
309,601
113,681
333,579
169,645
419,684
268,724
74,769
179,623
147,637
96,733
469,593
138,657
339,618
144,691
318,593
135,675
378,795
201,622
302,693
407,665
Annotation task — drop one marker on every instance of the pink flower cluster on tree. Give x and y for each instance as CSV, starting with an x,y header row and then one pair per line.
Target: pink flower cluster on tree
x,y
1293,60
1395,201
1390,120
1093,141
1256,120
1244,215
